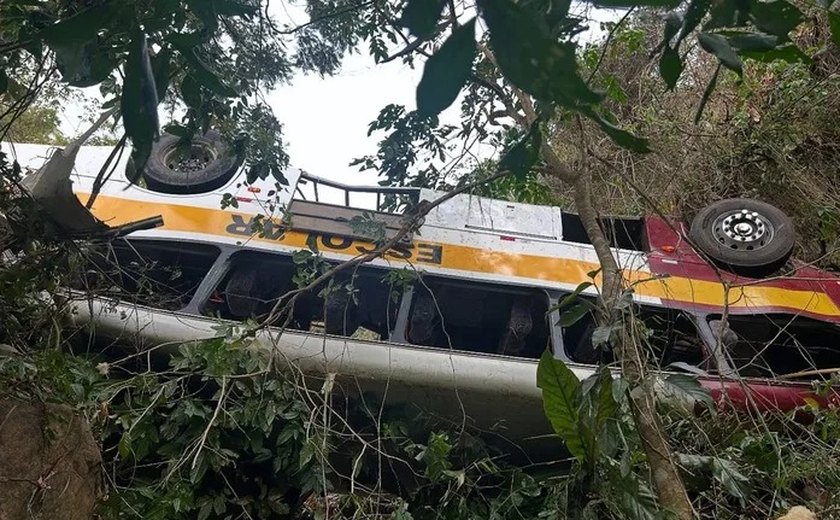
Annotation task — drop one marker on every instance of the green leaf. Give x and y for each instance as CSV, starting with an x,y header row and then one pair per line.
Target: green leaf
x,y
789,53
673,22
191,92
607,404
574,313
750,41
202,72
138,104
124,446
561,399
551,71
834,23
670,66
205,510
717,45
688,388
724,471
205,10
84,65
522,156
601,335
4,81
82,26
778,17
447,71
619,136
707,93
694,14
728,13
162,69
420,17
572,296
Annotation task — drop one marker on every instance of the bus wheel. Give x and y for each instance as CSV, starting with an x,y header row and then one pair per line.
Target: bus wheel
x,y
746,236
206,165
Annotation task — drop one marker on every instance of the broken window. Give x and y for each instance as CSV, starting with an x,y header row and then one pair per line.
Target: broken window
x,y
623,233
669,336
360,303
478,317
773,345
157,273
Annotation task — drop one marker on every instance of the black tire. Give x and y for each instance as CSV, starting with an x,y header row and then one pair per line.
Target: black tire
x,y
216,164
746,236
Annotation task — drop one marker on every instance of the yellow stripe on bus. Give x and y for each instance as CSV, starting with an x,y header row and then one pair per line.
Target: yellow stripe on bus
x,y
115,211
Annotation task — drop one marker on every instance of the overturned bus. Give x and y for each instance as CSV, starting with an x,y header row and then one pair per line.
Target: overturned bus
x,y
454,317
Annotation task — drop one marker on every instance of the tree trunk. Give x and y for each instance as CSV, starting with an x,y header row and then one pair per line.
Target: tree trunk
x,y
666,477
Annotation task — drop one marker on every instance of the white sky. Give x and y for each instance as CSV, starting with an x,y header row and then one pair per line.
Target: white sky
x,y
326,119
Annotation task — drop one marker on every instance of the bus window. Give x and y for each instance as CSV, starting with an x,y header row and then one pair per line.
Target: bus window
x,y
157,273
772,345
358,303
670,336
478,317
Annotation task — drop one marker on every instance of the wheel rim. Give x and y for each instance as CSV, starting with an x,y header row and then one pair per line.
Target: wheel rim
x,y
196,159
743,230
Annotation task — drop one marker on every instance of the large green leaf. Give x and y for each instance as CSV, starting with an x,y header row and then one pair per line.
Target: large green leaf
x,y
750,41
522,156
138,104
84,65
82,26
778,17
789,53
550,72
191,92
694,14
719,46
670,66
724,471
420,17
561,399
206,12
834,23
202,72
607,405
447,71
574,313
620,136
688,388
162,69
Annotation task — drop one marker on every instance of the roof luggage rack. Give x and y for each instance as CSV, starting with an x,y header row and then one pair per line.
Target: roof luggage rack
x,y
324,206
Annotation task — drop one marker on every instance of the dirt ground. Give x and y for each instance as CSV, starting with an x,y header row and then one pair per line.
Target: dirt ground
x,y
50,465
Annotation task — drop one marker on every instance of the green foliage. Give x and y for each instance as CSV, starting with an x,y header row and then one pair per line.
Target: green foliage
x,y
179,456
524,154
421,16
446,73
37,124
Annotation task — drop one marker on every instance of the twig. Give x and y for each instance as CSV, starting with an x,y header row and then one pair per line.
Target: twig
x,y
204,435
327,16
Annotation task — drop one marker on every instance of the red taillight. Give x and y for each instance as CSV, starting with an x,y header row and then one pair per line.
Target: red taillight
x,y
507,238
668,249
254,189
